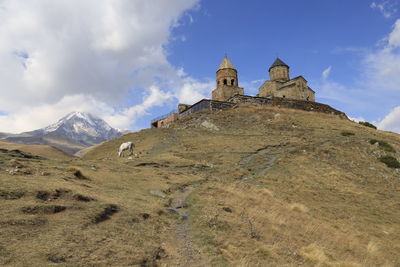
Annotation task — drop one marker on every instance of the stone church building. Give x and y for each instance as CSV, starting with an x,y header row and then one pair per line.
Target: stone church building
x,y
279,91
279,85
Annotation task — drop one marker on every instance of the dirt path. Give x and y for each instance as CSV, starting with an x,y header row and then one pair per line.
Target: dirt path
x,y
180,248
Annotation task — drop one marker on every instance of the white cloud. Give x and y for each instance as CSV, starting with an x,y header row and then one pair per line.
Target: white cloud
x,y
257,81
92,52
393,39
155,97
387,8
326,72
193,91
382,67
31,118
337,92
375,88
357,119
392,121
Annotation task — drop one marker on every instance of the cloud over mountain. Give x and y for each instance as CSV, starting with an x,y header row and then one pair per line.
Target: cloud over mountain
x,y
86,53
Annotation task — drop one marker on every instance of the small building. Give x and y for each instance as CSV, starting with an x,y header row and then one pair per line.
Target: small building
x,y
164,121
280,84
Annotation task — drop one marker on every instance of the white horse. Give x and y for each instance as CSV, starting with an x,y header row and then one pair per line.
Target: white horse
x,y
126,146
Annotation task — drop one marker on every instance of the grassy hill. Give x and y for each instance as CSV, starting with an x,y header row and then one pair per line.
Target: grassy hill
x,y
40,150
60,142
241,187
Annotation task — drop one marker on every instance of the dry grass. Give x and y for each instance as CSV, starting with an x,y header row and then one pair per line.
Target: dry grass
x,y
40,150
298,207
314,254
102,222
372,248
269,194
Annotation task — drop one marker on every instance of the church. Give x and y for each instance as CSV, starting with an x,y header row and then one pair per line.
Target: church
x,y
279,84
279,91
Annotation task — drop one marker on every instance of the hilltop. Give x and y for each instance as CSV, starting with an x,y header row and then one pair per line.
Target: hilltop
x,y
241,187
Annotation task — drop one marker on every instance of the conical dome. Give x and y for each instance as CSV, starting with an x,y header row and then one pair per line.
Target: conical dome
x,y
226,64
278,62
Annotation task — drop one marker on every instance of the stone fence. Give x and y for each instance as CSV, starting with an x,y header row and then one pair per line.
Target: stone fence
x,y
285,103
280,102
206,104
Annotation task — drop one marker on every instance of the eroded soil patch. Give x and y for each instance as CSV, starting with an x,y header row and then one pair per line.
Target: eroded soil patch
x,y
106,213
43,209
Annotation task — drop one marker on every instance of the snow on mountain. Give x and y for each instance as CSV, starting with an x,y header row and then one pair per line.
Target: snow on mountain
x,y
71,133
81,126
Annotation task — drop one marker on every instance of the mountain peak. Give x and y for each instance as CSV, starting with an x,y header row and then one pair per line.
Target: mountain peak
x,y
84,127
79,121
80,114
71,133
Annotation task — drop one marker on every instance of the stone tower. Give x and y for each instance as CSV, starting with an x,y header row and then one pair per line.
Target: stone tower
x,y
279,71
227,81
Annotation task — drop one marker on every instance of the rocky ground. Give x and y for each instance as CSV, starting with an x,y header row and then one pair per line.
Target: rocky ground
x,y
242,187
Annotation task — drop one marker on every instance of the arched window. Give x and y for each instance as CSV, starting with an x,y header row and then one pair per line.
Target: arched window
x,y
225,82
218,82
233,82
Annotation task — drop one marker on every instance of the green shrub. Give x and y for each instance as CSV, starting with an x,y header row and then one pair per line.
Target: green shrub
x,y
390,161
367,124
383,145
347,133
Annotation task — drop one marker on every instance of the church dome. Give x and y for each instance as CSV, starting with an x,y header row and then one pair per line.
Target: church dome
x,y
226,64
278,62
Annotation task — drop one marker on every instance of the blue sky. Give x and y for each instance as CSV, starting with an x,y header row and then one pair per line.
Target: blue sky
x,y
130,61
310,36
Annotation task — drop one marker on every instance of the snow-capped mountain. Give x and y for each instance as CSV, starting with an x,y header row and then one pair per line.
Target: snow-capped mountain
x,y
83,127
71,133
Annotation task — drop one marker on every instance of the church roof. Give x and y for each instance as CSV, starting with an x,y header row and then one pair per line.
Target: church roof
x,y
226,64
278,62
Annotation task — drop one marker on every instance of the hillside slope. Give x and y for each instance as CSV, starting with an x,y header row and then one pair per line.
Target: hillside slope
x,y
39,150
241,187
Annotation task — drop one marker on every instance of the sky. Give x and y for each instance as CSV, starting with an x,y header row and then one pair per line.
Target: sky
x,y
129,61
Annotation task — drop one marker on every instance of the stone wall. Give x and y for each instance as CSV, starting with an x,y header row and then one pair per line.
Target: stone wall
x,y
203,104
218,105
285,103
268,88
224,92
279,73
164,123
230,75
182,107
206,104
235,100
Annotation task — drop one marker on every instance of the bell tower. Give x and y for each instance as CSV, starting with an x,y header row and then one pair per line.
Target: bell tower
x,y
227,81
